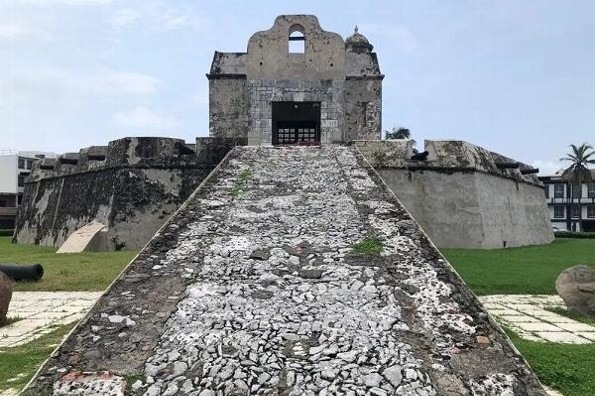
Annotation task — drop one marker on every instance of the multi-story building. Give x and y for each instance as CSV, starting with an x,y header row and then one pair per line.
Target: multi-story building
x,y
570,205
15,166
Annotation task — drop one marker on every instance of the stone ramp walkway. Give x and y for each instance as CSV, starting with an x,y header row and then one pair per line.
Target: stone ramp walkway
x,y
253,288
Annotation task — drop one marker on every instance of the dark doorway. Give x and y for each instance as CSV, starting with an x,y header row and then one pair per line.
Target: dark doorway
x,y
296,123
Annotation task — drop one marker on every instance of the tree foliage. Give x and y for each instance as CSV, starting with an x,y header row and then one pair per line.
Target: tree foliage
x,y
580,158
397,133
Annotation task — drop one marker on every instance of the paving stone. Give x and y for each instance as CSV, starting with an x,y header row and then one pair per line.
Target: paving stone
x,y
561,336
536,322
40,312
517,319
586,334
576,327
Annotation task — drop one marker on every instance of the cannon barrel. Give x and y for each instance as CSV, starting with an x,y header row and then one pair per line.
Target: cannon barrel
x,y
19,272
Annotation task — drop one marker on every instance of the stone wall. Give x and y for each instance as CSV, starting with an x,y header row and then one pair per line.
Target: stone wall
x,y
343,76
132,186
268,52
462,195
229,106
330,94
363,109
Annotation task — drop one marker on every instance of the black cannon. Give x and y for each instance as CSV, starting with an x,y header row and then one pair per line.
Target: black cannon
x,y
19,272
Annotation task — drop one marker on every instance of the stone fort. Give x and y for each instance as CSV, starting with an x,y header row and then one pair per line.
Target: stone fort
x,y
330,93
248,282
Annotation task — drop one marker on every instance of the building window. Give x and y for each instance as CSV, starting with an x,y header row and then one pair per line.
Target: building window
x,y
297,41
29,164
20,199
575,190
22,163
21,181
558,211
575,211
3,202
591,211
591,190
558,190
546,191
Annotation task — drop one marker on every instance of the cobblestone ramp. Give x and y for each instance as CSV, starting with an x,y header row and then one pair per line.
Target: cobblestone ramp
x,y
252,288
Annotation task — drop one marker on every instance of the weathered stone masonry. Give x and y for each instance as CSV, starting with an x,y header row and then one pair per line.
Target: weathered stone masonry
x,y
132,186
265,296
343,77
464,196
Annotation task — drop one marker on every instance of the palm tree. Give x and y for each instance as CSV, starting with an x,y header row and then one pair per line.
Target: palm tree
x,y
398,133
578,172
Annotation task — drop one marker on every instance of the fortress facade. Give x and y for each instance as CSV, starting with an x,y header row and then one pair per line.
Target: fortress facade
x,y
326,92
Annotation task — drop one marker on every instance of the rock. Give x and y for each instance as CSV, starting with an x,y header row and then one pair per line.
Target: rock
x,y
372,380
260,254
393,375
576,286
5,294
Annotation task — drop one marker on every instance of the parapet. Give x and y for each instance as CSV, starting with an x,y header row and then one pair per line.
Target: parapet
x,y
445,156
125,152
211,150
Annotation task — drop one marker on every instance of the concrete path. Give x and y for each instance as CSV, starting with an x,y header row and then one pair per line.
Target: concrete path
x,y
41,312
526,315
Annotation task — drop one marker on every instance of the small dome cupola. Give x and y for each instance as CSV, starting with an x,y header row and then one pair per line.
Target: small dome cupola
x,y
358,43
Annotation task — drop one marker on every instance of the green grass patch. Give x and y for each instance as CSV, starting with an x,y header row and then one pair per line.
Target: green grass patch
x,y
370,245
131,379
19,364
9,320
524,270
578,318
241,182
65,272
569,368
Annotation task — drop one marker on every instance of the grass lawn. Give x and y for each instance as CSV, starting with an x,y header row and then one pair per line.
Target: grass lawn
x,y
566,367
19,364
65,272
533,270
524,270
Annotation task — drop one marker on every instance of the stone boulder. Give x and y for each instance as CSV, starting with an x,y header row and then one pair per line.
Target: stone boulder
x,y
576,286
5,294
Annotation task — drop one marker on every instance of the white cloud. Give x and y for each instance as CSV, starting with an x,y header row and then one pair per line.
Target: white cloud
x,y
173,19
67,83
547,168
125,18
124,82
400,36
157,17
66,2
11,31
142,117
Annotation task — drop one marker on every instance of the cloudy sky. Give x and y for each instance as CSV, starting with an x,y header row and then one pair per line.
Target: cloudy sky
x,y
516,77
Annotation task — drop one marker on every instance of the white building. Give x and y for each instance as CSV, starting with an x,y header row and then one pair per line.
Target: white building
x,y
15,166
569,205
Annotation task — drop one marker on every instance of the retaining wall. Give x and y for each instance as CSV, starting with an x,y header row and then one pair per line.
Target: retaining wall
x,y
463,195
